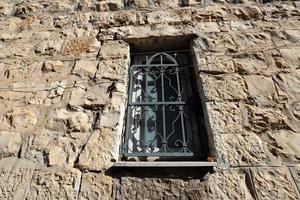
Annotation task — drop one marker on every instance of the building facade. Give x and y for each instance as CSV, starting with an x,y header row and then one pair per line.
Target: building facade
x,y
88,86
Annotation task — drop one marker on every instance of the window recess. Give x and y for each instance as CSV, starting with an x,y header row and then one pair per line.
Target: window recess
x,y
165,119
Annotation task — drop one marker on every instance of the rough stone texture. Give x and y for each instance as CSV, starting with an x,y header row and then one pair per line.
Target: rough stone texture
x,y
64,73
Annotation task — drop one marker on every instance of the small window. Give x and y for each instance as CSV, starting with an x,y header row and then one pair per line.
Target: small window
x,y
164,120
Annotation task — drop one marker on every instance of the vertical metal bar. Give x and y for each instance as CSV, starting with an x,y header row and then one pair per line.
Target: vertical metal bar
x,y
181,110
163,106
127,132
145,109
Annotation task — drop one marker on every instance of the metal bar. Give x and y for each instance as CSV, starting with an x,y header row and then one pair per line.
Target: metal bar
x,y
156,65
164,141
157,103
165,164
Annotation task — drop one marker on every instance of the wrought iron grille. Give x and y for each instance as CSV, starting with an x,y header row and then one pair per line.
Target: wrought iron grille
x,y
160,120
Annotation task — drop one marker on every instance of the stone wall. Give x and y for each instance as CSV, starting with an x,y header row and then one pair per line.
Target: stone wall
x,y
63,68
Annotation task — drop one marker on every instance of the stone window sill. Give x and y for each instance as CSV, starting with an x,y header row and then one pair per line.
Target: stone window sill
x,y
165,164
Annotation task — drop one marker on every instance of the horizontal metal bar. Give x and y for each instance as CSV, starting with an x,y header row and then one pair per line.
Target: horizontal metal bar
x,y
156,65
137,154
157,103
165,164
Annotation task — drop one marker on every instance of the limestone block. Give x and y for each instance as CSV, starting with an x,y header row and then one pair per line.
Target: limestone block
x,y
114,19
49,47
261,89
52,66
240,149
19,69
249,12
284,145
109,5
263,119
252,40
291,57
113,69
169,17
295,171
273,183
114,49
15,177
95,186
166,3
81,45
253,66
21,118
228,184
207,27
10,143
223,87
90,96
85,68
137,3
55,148
225,117
15,49
101,150
222,42
215,63
62,119
288,84
6,8
293,114
54,183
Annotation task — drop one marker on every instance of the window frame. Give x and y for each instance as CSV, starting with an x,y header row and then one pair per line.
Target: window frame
x,y
159,163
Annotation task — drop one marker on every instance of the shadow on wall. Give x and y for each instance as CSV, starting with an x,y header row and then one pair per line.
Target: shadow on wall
x,y
184,173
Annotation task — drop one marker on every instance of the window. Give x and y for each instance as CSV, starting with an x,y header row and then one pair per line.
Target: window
x,y
164,120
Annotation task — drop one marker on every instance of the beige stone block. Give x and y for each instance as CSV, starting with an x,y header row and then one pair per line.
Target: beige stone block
x,y
90,96
62,120
261,89
114,49
16,175
273,183
81,45
113,69
110,5
284,145
10,143
225,118
240,149
291,57
288,85
21,118
52,66
251,66
101,151
85,68
261,120
54,183
293,115
95,186
169,16
223,87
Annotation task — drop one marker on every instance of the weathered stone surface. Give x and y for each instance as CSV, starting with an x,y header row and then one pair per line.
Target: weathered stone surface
x,y
228,184
274,183
10,143
77,46
261,89
252,66
69,121
225,118
21,118
101,150
54,183
15,177
288,84
223,87
85,95
114,50
95,186
240,149
85,68
112,69
284,145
